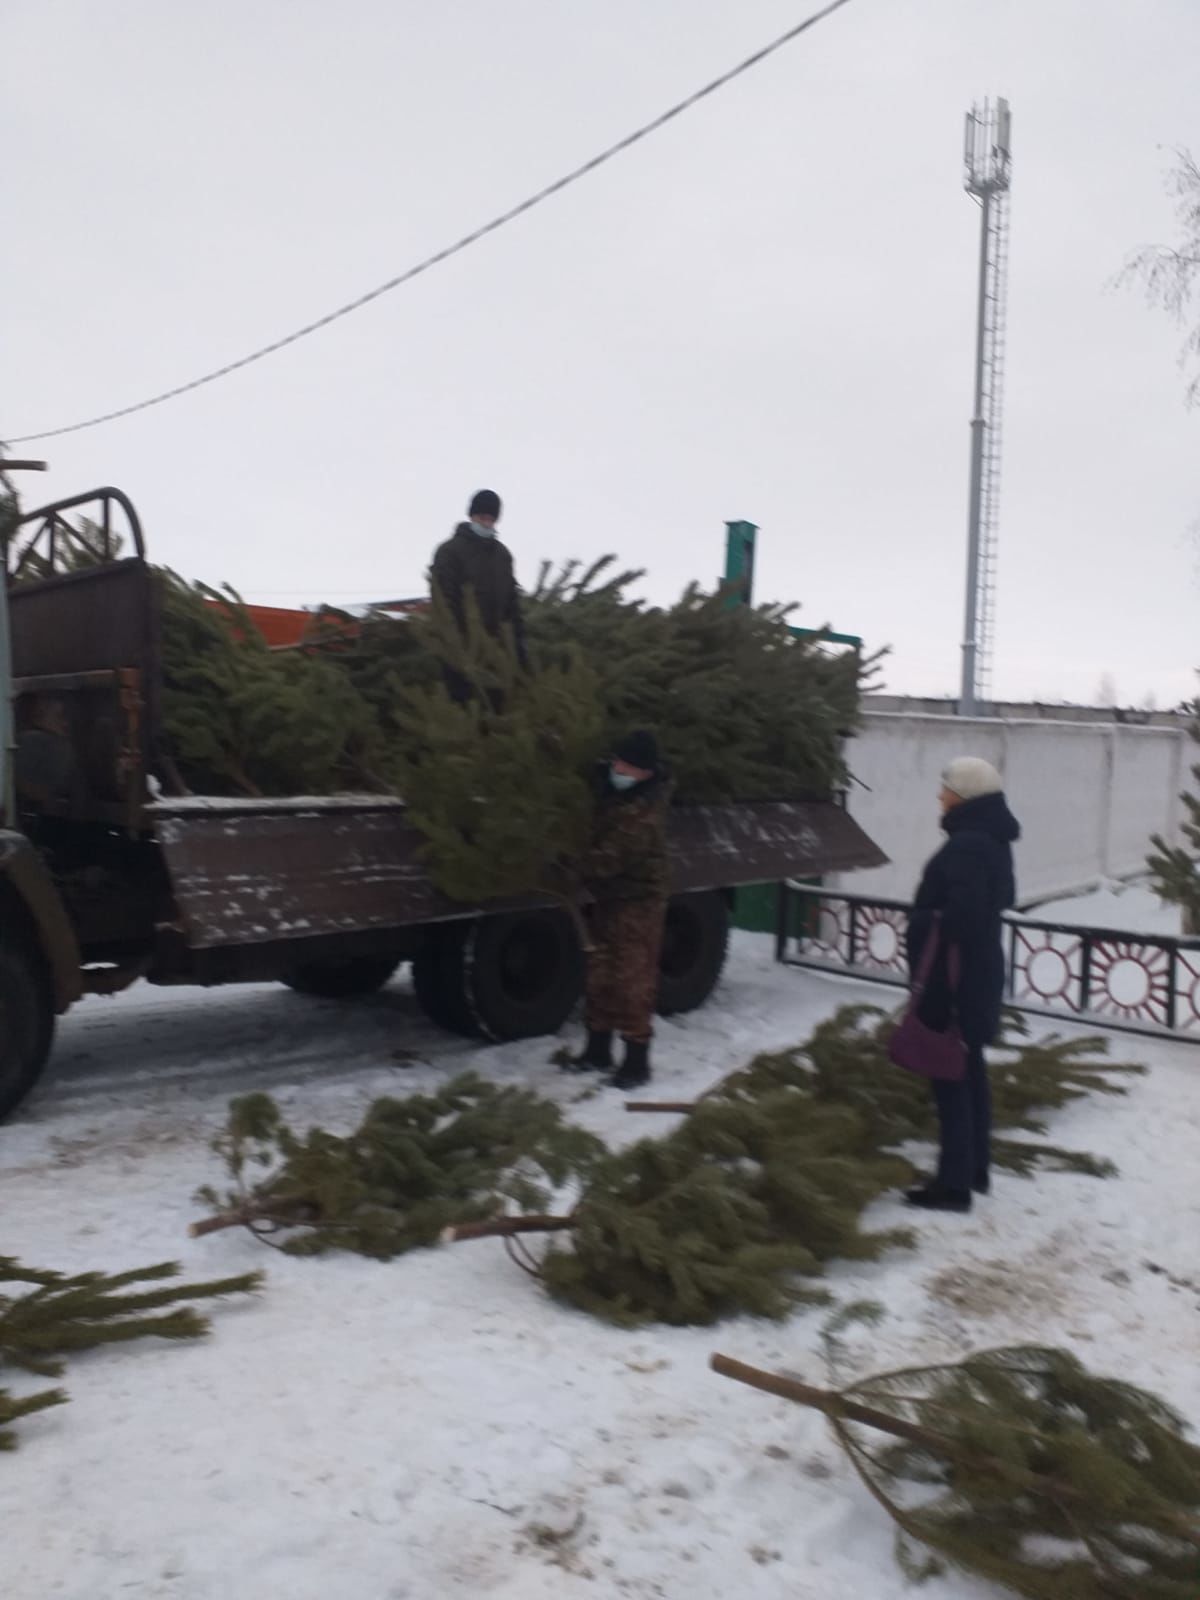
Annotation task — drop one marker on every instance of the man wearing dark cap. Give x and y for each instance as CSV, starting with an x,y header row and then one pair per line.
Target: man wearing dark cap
x,y
474,560
626,872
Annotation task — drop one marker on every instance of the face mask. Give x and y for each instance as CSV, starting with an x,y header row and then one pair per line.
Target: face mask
x,y
621,780
484,533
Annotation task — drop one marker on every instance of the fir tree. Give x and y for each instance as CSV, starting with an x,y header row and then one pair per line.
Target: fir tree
x,y
744,709
497,783
739,1208
845,1062
767,1179
242,718
1176,868
58,1315
1023,1468
730,1213
412,1168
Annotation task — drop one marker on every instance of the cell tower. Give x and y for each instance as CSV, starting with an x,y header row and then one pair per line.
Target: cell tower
x,y
987,155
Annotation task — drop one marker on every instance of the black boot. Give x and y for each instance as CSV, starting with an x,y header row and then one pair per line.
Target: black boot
x,y
933,1197
636,1070
981,1185
596,1055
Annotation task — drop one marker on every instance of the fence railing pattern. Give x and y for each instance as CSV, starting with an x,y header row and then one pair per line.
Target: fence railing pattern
x,y
1136,982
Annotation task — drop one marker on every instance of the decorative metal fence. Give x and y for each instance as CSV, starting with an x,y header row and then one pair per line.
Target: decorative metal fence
x,y
1136,982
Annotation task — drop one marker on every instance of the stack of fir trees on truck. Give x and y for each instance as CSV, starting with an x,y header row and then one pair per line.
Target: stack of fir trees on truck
x,y
498,781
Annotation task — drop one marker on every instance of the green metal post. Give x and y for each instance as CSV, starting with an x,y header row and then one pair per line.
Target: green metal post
x,y
739,561
759,907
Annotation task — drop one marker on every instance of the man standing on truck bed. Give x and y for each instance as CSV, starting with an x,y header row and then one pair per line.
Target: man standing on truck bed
x,y
473,559
626,870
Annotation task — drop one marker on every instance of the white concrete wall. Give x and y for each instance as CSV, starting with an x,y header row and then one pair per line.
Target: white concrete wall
x,y
1088,795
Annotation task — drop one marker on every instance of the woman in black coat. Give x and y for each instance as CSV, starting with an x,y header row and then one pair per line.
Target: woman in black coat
x,y
965,890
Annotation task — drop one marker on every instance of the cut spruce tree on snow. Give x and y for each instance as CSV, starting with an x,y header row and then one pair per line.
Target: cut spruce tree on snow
x,y
845,1063
767,1179
1021,1467
740,1208
412,1168
47,1316
1176,868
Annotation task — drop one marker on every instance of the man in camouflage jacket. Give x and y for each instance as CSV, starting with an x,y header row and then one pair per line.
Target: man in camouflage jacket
x,y
626,872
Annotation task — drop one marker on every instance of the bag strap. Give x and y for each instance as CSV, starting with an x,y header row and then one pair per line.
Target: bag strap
x,y
929,952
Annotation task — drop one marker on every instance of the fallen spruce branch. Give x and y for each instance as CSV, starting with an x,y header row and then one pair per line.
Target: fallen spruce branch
x,y
1024,1468
13,1409
57,1315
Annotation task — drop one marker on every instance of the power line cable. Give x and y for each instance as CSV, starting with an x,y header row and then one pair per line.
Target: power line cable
x,y
459,245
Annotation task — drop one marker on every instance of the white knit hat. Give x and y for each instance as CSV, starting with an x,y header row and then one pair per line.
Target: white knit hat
x,y
970,777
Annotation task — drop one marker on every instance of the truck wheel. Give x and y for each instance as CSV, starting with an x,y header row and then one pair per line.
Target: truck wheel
x,y
524,973
342,980
695,943
26,1025
439,978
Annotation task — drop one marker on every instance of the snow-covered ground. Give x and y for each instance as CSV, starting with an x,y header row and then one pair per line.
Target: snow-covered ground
x,y
1131,907
436,1427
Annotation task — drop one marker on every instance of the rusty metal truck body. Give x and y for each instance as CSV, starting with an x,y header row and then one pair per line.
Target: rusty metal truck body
x,y
109,874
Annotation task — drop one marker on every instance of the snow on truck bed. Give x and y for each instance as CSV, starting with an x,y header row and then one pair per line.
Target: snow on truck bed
x,y
192,805
436,1427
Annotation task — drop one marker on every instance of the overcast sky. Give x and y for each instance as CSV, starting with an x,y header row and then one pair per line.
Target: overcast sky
x,y
766,312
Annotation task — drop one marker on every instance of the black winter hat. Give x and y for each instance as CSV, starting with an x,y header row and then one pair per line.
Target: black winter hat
x,y
638,749
485,504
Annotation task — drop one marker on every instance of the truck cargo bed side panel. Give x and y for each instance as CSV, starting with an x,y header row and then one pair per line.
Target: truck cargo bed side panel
x,y
258,872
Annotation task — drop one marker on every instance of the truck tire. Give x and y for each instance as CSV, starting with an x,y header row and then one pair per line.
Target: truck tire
x,y
26,1024
524,973
439,978
695,944
342,980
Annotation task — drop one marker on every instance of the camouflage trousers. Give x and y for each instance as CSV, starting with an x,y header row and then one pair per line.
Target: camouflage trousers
x,y
622,977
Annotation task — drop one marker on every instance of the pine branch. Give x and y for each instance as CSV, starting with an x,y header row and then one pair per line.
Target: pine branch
x,y
58,1315
13,1409
62,1314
